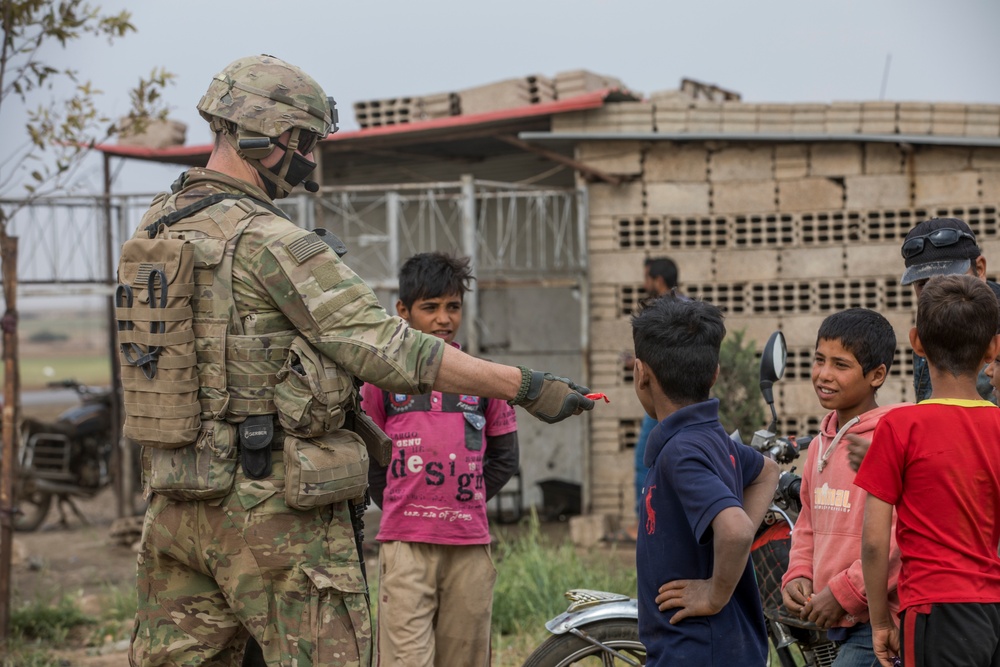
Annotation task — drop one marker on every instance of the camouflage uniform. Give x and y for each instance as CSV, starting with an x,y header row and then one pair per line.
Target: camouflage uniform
x,y
212,571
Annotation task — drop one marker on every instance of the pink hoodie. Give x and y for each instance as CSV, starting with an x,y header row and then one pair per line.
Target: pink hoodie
x,y
826,540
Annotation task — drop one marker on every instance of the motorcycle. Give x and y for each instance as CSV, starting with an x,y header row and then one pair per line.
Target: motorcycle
x,y
64,459
603,627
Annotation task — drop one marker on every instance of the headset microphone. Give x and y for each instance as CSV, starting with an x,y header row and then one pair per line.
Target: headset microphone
x,y
311,186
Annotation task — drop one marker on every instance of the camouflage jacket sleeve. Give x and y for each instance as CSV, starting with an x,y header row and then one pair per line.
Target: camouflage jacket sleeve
x,y
285,277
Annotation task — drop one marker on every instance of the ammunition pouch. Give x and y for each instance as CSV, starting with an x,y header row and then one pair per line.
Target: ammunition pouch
x,y
323,470
311,392
204,470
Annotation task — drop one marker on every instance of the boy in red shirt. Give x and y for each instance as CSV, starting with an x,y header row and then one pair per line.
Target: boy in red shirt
x,y
938,463
823,583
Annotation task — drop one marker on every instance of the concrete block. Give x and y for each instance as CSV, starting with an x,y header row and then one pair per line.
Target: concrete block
x,y
835,159
886,191
989,184
156,134
810,194
623,199
751,163
816,262
878,117
948,119
579,81
870,259
744,197
843,118
775,118
640,233
613,117
677,198
955,188
588,530
934,159
601,238
707,119
791,161
915,117
986,159
575,121
611,335
982,120
747,264
798,396
800,332
739,118
668,161
809,118
619,268
883,159
695,266
697,231
670,118
757,328
615,157
825,227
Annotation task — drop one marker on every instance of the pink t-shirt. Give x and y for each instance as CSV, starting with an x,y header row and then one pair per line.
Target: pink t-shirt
x,y
435,492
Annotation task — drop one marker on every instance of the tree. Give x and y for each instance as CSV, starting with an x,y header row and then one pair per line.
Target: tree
x,y
58,137
740,404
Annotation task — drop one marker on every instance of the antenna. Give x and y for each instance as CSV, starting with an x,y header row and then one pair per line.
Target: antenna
x,y
885,76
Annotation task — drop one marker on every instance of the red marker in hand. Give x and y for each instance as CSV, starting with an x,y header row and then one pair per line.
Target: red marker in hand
x,y
596,396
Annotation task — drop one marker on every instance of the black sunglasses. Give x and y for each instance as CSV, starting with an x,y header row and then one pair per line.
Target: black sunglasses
x,y
939,238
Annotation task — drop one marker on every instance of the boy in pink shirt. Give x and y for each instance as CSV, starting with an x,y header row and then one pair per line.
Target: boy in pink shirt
x,y
824,582
450,454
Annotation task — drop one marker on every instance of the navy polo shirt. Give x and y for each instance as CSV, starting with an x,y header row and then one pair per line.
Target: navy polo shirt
x,y
696,471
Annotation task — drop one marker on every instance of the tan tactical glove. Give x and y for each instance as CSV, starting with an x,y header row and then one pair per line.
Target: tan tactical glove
x,y
550,398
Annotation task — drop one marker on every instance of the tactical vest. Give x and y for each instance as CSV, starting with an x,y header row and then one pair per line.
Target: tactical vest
x,y
177,318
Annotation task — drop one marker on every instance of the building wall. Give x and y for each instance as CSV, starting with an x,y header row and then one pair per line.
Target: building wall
x,y
778,235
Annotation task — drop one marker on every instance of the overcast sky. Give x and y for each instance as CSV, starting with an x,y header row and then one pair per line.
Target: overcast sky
x,y
780,50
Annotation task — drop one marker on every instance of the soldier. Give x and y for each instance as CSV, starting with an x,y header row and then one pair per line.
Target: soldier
x,y
238,543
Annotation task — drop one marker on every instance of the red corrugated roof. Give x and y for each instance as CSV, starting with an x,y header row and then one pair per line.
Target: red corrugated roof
x,y
199,154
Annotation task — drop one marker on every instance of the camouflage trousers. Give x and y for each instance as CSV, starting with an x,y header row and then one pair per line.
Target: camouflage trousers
x,y
211,573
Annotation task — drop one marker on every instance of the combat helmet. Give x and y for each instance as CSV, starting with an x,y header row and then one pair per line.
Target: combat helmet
x,y
254,100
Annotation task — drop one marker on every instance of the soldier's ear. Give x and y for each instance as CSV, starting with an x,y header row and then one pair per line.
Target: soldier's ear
x,y
402,310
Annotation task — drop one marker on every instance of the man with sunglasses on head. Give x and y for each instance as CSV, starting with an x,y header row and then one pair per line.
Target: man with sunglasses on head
x,y
935,247
254,481
941,247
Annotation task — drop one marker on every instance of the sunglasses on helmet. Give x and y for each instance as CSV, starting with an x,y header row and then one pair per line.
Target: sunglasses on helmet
x,y
939,238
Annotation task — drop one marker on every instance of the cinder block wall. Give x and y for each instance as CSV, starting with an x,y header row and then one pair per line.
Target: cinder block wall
x,y
777,235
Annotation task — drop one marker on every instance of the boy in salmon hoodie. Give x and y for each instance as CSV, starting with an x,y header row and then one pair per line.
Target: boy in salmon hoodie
x,y
824,582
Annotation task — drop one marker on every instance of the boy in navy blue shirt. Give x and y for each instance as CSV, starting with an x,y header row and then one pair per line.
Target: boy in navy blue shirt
x,y
703,499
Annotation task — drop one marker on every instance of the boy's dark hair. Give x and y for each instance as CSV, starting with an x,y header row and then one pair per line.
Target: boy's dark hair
x,y
679,339
957,317
663,267
864,333
430,275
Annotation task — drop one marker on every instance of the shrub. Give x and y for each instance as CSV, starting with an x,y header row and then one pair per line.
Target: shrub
x,y
738,386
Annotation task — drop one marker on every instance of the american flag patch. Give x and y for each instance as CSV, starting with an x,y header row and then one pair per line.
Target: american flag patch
x,y
305,247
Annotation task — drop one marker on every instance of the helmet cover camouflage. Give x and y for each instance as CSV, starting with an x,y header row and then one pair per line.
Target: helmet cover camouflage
x,y
267,96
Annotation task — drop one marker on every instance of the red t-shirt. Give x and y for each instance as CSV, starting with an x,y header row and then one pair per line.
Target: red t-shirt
x,y
938,462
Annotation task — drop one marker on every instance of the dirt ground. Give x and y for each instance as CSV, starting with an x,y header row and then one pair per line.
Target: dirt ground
x,y
85,562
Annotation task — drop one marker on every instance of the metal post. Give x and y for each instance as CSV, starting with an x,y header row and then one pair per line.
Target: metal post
x,y
582,215
470,249
12,389
392,230
121,457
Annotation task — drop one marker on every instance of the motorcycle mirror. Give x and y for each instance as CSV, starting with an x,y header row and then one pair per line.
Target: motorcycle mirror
x,y
772,367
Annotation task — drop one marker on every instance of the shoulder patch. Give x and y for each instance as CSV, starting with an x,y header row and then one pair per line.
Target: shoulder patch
x,y
305,247
327,275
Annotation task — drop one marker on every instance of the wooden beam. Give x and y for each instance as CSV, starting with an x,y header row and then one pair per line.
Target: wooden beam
x,y
589,172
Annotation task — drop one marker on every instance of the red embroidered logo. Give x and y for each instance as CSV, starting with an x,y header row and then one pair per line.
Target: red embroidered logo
x,y
650,512
733,459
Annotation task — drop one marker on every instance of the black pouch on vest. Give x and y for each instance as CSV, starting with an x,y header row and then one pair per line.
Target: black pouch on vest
x,y
256,434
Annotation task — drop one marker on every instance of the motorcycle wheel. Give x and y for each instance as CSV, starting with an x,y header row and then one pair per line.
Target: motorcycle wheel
x,y
565,650
32,508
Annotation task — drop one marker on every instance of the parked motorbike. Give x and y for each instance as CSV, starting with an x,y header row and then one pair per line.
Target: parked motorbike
x,y
603,628
64,459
